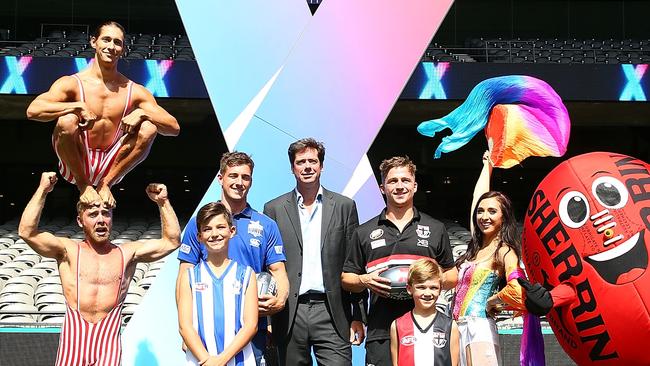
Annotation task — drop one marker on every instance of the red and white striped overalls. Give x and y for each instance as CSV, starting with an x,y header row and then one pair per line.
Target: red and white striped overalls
x,y
91,344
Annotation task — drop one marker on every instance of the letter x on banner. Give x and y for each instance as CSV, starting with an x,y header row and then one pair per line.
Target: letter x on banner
x,y
275,74
633,89
14,83
433,88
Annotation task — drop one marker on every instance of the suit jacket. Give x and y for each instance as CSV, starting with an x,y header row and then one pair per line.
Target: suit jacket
x,y
340,219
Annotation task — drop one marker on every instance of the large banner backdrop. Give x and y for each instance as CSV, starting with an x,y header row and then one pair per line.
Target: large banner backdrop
x,y
430,80
276,73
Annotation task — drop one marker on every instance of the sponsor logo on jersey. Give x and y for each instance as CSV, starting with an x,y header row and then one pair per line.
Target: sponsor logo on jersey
x,y
378,243
408,340
186,248
439,339
423,243
255,242
236,287
278,249
201,286
255,228
376,234
423,231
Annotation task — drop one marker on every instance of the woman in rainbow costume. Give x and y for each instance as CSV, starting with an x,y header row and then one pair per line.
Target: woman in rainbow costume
x,y
492,255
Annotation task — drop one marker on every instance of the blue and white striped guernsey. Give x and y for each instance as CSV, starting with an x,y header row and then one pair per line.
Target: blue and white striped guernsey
x,y
218,309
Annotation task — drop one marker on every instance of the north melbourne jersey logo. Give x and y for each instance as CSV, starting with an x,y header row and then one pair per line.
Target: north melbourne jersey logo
x,y
236,287
423,231
185,248
439,339
255,228
376,234
201,286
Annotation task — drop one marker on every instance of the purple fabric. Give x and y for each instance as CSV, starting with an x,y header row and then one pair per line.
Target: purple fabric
x,y
532,341
517,273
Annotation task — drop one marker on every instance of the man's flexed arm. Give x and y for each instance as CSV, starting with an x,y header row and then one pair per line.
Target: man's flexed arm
x,y
154,249
147,109
43,243
57,102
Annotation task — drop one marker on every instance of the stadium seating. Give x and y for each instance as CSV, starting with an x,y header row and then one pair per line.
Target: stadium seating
x,y
76,44
497,50
543,51
537,50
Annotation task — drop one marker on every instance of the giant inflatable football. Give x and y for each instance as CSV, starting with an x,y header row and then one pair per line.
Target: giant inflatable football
x,y
586,233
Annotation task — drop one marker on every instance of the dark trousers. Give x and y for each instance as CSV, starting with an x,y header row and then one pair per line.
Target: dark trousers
x,y
378,353
313,327
258,344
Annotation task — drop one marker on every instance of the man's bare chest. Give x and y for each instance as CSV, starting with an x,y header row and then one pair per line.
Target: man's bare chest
x,y
107,102
101,274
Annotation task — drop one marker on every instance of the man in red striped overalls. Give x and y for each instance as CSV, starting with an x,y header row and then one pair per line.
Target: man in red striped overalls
x,y
95,274
106,123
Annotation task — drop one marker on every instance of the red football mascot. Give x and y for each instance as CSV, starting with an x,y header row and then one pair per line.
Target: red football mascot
x,y
585,240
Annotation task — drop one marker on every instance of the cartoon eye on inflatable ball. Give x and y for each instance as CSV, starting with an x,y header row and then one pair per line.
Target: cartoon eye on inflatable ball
x,y
586,237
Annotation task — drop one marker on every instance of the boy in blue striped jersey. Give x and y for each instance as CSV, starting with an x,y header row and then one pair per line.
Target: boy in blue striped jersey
x,y
217,299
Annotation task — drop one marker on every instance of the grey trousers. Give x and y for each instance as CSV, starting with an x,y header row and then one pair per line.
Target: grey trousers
x,y
313,327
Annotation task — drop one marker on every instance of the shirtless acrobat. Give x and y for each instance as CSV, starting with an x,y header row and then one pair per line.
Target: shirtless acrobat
x,y
95,274
105,123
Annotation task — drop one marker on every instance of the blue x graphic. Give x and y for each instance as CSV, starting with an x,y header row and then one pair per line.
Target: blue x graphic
x,y
433,88
82,62
15,84
633,89
157,71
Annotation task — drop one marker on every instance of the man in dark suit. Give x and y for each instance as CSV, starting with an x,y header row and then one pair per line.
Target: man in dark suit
x,y
316,226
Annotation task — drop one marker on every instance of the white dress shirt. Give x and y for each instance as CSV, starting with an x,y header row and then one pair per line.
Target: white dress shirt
x,y
310,225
